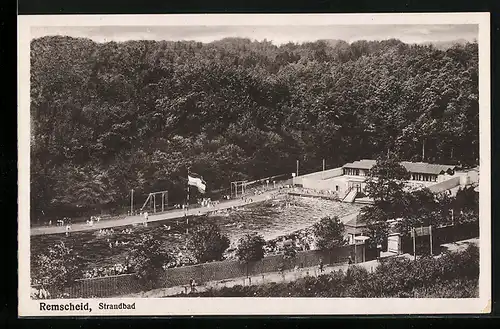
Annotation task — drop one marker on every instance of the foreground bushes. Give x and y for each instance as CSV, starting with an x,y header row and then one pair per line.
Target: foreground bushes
x,y
453,275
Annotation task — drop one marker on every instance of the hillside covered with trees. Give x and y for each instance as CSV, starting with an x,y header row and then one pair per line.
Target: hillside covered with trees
x,y
110,117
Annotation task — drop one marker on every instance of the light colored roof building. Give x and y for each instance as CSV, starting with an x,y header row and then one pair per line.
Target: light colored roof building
x,y
412,167
361,164
427,168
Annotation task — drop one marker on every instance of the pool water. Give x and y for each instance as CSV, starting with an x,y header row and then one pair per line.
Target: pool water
x,y
272,219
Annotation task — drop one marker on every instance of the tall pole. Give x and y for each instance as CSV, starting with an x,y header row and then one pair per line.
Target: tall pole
x,y
364,252
323,174
187,209
430,235
154,203
297,173
355,251
423,150
187,200
414,245
131,202
162,201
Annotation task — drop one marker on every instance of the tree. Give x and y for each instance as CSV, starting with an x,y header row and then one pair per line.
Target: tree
x,y
109,117
148,258
289,254
250,248
466,199
422,208
329,232
57,268
386,186
376,225
207,243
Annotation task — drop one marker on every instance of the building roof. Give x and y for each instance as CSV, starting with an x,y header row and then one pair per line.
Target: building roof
x,y
361,164
412,167
355,222
426,168
355,226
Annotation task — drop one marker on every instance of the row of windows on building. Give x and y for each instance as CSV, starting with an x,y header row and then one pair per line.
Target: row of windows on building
x,y
354,172
424,177
414,176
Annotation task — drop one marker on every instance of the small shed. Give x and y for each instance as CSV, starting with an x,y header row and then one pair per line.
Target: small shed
x,y
354,227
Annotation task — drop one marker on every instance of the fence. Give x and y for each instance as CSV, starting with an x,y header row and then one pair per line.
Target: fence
x,y
215,271
223,270
440,235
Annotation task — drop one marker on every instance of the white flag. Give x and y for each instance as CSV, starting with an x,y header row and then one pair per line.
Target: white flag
x,y
198,182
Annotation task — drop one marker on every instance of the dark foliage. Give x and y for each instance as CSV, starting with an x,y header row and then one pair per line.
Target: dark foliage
x,y
148,259
207,243
58,267
453,275
251,248
329,233
111,117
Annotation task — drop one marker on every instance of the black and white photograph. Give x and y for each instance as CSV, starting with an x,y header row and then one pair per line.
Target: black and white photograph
x,y
179,164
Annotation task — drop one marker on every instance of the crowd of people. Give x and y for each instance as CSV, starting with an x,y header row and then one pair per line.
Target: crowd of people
x,y
116,269
181,258
301,240
310,191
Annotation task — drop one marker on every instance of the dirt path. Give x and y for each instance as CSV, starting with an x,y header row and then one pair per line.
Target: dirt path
x,y
286,276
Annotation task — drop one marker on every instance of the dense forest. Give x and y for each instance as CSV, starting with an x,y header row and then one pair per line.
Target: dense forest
x,y
110,117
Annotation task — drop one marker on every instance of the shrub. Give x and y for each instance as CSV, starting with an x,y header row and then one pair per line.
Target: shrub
x,y
329,232
207,243
58,268
148,258
453,275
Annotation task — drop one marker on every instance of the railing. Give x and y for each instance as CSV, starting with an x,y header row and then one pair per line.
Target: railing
x,y
349,190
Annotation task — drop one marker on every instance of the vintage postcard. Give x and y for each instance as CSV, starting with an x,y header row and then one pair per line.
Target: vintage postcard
x,y
254,164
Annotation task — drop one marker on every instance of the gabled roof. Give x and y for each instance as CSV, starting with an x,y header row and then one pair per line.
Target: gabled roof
x,y
356,222
412,167
361,164
426,168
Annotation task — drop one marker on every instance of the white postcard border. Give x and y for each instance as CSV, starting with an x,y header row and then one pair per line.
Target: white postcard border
x,y
256,306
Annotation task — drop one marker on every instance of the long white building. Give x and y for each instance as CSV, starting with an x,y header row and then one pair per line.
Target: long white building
x,y
348,181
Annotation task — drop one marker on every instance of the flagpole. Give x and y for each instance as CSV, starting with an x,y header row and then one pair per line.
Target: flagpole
x,y
187,208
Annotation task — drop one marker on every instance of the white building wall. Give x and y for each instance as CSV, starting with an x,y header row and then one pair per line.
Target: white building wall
x,y
317,176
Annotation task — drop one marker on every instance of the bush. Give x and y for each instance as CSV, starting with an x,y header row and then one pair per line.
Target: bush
x,y
329,232
57,268
148,258
250,248
207,243
453,275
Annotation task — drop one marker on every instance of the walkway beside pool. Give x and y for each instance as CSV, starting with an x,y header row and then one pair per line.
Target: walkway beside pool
x,y
173,214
